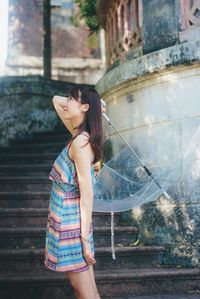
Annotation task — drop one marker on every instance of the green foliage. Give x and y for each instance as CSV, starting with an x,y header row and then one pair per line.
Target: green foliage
x,y
93,42
88,12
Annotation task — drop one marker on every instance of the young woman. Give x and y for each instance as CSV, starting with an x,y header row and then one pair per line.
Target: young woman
x,y
69,243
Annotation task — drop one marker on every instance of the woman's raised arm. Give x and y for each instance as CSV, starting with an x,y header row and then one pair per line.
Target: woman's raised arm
x,y
59,104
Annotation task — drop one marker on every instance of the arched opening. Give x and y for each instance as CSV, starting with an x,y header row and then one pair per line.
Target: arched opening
x,y
122,19
130,15
116,27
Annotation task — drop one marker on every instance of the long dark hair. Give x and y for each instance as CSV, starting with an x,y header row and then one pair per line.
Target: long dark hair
x,y
93,118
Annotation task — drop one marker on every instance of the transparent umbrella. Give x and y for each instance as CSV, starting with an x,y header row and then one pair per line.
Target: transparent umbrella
x,y
126,182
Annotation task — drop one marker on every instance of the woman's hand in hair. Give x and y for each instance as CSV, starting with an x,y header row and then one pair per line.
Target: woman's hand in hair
x,y
103,109
103,106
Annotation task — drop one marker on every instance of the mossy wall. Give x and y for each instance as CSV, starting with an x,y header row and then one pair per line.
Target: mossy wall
x,y
26,105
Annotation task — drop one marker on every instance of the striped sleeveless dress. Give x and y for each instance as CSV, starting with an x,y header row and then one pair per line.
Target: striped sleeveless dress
x,y
63,246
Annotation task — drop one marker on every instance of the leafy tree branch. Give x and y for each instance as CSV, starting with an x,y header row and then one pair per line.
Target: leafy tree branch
x,y
88,12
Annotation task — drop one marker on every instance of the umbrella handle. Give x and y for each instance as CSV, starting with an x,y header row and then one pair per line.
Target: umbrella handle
x,y
112,236
166,195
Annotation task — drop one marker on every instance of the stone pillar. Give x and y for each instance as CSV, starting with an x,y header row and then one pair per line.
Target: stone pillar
x,y
159,24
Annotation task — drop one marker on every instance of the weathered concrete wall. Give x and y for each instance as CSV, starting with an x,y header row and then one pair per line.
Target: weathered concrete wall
x,y
75,58
154,102
26,39
132,69
26,105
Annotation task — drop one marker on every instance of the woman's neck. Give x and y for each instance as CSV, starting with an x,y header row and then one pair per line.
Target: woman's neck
x,y
74,126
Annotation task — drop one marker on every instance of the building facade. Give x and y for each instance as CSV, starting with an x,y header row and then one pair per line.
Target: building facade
x,y
74,57
151,87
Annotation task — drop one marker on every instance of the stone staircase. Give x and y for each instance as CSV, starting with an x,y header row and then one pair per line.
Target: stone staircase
x,y
24,195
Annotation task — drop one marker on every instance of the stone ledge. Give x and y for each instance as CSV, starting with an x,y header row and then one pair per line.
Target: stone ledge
x,y
33,85
65,63
177,55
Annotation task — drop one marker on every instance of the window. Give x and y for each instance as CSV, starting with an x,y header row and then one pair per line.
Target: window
x,y
123,28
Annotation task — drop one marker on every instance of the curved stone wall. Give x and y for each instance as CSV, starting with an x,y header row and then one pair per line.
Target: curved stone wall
x,y
154,102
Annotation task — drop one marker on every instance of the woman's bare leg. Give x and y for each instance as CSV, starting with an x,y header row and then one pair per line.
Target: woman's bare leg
x,y
93,280
84,284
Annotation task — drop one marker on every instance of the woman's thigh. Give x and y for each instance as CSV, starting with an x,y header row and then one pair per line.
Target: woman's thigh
x,y
84,283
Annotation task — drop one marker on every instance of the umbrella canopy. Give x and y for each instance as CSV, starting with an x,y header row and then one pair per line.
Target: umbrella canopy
x,y
128,180
123,183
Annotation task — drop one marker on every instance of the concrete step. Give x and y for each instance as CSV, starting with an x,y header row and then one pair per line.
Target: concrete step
x,y
137,270
19,260
23,183
33,148
41,139
23,199
37,217
29,170
56,132
30,158
110,283
33,237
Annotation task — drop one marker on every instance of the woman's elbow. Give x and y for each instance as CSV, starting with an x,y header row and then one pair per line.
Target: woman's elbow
x,y
54,99
87,193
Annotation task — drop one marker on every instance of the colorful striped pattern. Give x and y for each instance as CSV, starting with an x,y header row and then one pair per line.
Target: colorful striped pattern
x,y
63,246
64,169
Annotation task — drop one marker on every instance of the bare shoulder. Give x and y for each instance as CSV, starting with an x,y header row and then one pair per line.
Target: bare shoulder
x,y
81,145
85,133
81,139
